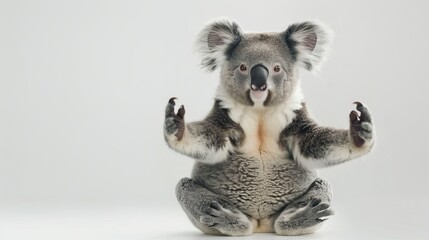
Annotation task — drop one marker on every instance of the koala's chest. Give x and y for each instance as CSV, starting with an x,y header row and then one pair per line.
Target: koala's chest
x,y
262,134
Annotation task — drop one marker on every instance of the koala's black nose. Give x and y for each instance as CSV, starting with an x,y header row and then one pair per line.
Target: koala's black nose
x,y
258,77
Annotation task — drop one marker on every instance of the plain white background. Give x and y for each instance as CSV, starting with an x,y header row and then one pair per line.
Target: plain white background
x,y
83,86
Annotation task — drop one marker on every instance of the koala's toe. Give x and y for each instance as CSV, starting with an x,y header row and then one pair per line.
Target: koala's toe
x,y
181,112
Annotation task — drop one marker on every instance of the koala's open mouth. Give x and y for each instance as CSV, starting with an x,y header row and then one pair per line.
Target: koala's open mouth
x,y
258,96
261,98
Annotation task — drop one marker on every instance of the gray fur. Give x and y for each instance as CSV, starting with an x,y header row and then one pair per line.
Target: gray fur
x,y
308,43
274,187
220,36
259,189
314,141
212,131
310,209
207,210
265,48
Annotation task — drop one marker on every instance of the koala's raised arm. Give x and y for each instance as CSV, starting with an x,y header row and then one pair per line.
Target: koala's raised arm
x,y
209,140
314,146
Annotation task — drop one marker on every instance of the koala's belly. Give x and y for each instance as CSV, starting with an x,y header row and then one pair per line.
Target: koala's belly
x,y
257,187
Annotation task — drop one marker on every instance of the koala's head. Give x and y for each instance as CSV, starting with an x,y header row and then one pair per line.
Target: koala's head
x,y
262,68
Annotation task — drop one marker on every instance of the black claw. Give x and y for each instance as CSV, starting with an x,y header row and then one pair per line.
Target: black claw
x,y
215,205
321,207
358,104
354,117
365,116
171,101
360,107
315,202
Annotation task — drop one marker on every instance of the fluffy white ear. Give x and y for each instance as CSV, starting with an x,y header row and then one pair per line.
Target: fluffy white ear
x,y
308,43
217,41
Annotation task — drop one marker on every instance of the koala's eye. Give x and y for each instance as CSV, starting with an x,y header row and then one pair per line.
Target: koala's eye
x,y
276,68
243,67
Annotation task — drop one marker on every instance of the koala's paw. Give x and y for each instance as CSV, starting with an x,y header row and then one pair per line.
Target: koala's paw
x,y
174,123
295,221
226,221
361,129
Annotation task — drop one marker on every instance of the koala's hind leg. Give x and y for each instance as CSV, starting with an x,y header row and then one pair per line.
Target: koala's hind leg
x,y
210,213
306,213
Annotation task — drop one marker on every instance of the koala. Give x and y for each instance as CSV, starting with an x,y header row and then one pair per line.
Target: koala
x,y
257,152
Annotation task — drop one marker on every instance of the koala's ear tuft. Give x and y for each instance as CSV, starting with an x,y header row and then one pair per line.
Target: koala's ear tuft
x,y
217,41
308,43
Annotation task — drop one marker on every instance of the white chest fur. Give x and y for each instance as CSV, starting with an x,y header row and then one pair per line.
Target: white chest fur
x,y
262,127
262,131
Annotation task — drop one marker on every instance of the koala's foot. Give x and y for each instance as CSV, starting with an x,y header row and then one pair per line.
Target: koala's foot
x,y
361,129
306,214
174,123
209,212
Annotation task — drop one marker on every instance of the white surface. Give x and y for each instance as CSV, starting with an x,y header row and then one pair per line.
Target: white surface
x,y
83,86
372,219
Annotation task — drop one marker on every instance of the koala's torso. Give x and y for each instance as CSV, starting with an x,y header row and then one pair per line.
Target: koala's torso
x,y
259,176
